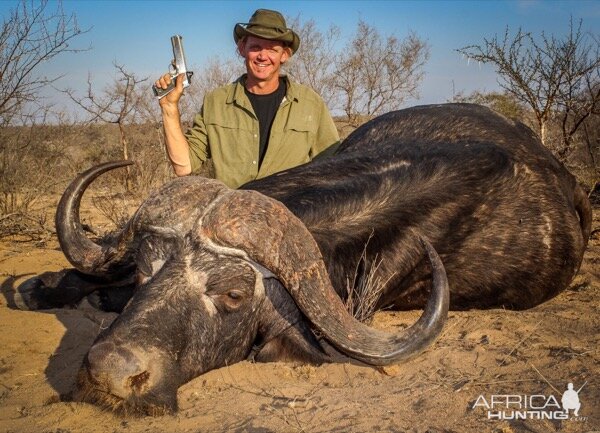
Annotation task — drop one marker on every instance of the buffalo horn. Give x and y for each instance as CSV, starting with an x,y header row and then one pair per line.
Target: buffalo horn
x,y
85,255
272,236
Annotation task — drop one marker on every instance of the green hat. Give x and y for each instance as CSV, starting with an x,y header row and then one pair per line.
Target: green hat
x,y
267,24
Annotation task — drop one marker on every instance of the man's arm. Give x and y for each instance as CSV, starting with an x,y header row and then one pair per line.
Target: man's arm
x,y
177,145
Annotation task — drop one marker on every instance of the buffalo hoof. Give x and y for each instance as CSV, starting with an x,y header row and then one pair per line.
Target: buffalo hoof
x,y
68,288
27,296
50,290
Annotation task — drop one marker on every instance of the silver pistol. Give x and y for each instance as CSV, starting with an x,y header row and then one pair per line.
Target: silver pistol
x,y
177,67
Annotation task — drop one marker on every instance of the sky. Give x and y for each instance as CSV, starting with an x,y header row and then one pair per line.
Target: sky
x,y
137,34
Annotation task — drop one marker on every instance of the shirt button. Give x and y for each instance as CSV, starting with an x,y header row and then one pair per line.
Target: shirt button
x,y
255,135
254,162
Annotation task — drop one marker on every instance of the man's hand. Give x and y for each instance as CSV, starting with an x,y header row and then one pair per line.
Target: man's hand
x,y
172,98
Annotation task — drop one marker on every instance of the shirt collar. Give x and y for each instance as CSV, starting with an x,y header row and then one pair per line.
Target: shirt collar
x,y
237,94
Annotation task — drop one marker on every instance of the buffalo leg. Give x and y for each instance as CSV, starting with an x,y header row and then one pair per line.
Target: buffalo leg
x,y
67,288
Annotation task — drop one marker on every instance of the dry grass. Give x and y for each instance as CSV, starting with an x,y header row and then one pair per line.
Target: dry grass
x,y
365,289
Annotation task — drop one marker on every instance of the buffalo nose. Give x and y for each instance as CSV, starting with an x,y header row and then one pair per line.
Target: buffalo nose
x,y
118,368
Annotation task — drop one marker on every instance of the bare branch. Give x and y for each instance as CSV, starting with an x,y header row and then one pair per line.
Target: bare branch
x,y
29,37
117,103
312,64
553,77
374,75
120,103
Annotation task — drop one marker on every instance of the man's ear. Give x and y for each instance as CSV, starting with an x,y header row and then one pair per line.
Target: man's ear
x,y
241,47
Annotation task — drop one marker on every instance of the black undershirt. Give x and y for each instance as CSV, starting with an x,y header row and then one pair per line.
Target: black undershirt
x,y
265,107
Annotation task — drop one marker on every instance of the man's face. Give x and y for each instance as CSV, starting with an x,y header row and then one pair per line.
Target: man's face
x,y
263,58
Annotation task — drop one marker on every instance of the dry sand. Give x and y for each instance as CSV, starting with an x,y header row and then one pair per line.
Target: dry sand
x,y
480,353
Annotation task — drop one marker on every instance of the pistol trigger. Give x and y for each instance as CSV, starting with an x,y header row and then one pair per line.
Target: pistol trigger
x,y
173,70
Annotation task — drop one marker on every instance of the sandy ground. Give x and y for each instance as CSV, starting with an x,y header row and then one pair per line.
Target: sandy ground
x,y
480,354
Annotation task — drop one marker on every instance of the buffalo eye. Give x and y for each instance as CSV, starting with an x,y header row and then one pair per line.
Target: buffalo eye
x,y
231,288
235,295
233,299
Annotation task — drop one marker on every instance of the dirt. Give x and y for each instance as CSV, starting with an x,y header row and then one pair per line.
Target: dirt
x,y
480,357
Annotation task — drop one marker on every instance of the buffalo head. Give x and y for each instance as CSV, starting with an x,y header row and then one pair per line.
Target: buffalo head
x,y
221,275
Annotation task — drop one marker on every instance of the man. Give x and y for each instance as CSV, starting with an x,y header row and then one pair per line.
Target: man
x,y
259,125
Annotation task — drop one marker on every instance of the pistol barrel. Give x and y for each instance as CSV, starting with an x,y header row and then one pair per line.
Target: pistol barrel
x,y
179,67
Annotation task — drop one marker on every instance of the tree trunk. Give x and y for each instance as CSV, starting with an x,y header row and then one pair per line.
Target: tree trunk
x,y
125,147
544,132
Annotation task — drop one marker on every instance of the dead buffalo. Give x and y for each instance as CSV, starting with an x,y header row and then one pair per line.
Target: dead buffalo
x,y
211,276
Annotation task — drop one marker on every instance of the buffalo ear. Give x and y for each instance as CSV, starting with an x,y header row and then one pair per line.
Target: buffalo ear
x,y
284,334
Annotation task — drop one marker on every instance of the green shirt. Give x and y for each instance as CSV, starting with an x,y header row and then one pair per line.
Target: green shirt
x,y
226,131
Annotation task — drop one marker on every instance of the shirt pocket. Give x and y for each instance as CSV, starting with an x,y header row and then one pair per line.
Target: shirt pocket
x,y
301,121
228,121
300,132
232,140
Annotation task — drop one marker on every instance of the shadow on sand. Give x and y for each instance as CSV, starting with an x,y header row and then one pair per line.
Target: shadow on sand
x,y
81,324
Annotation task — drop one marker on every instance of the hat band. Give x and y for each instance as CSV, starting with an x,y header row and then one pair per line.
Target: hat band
x,y
260,26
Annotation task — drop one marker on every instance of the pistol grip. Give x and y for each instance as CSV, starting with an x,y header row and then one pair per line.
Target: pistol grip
x,y
159,92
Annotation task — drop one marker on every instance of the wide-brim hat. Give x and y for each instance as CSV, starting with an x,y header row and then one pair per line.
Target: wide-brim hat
x,y
267,24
